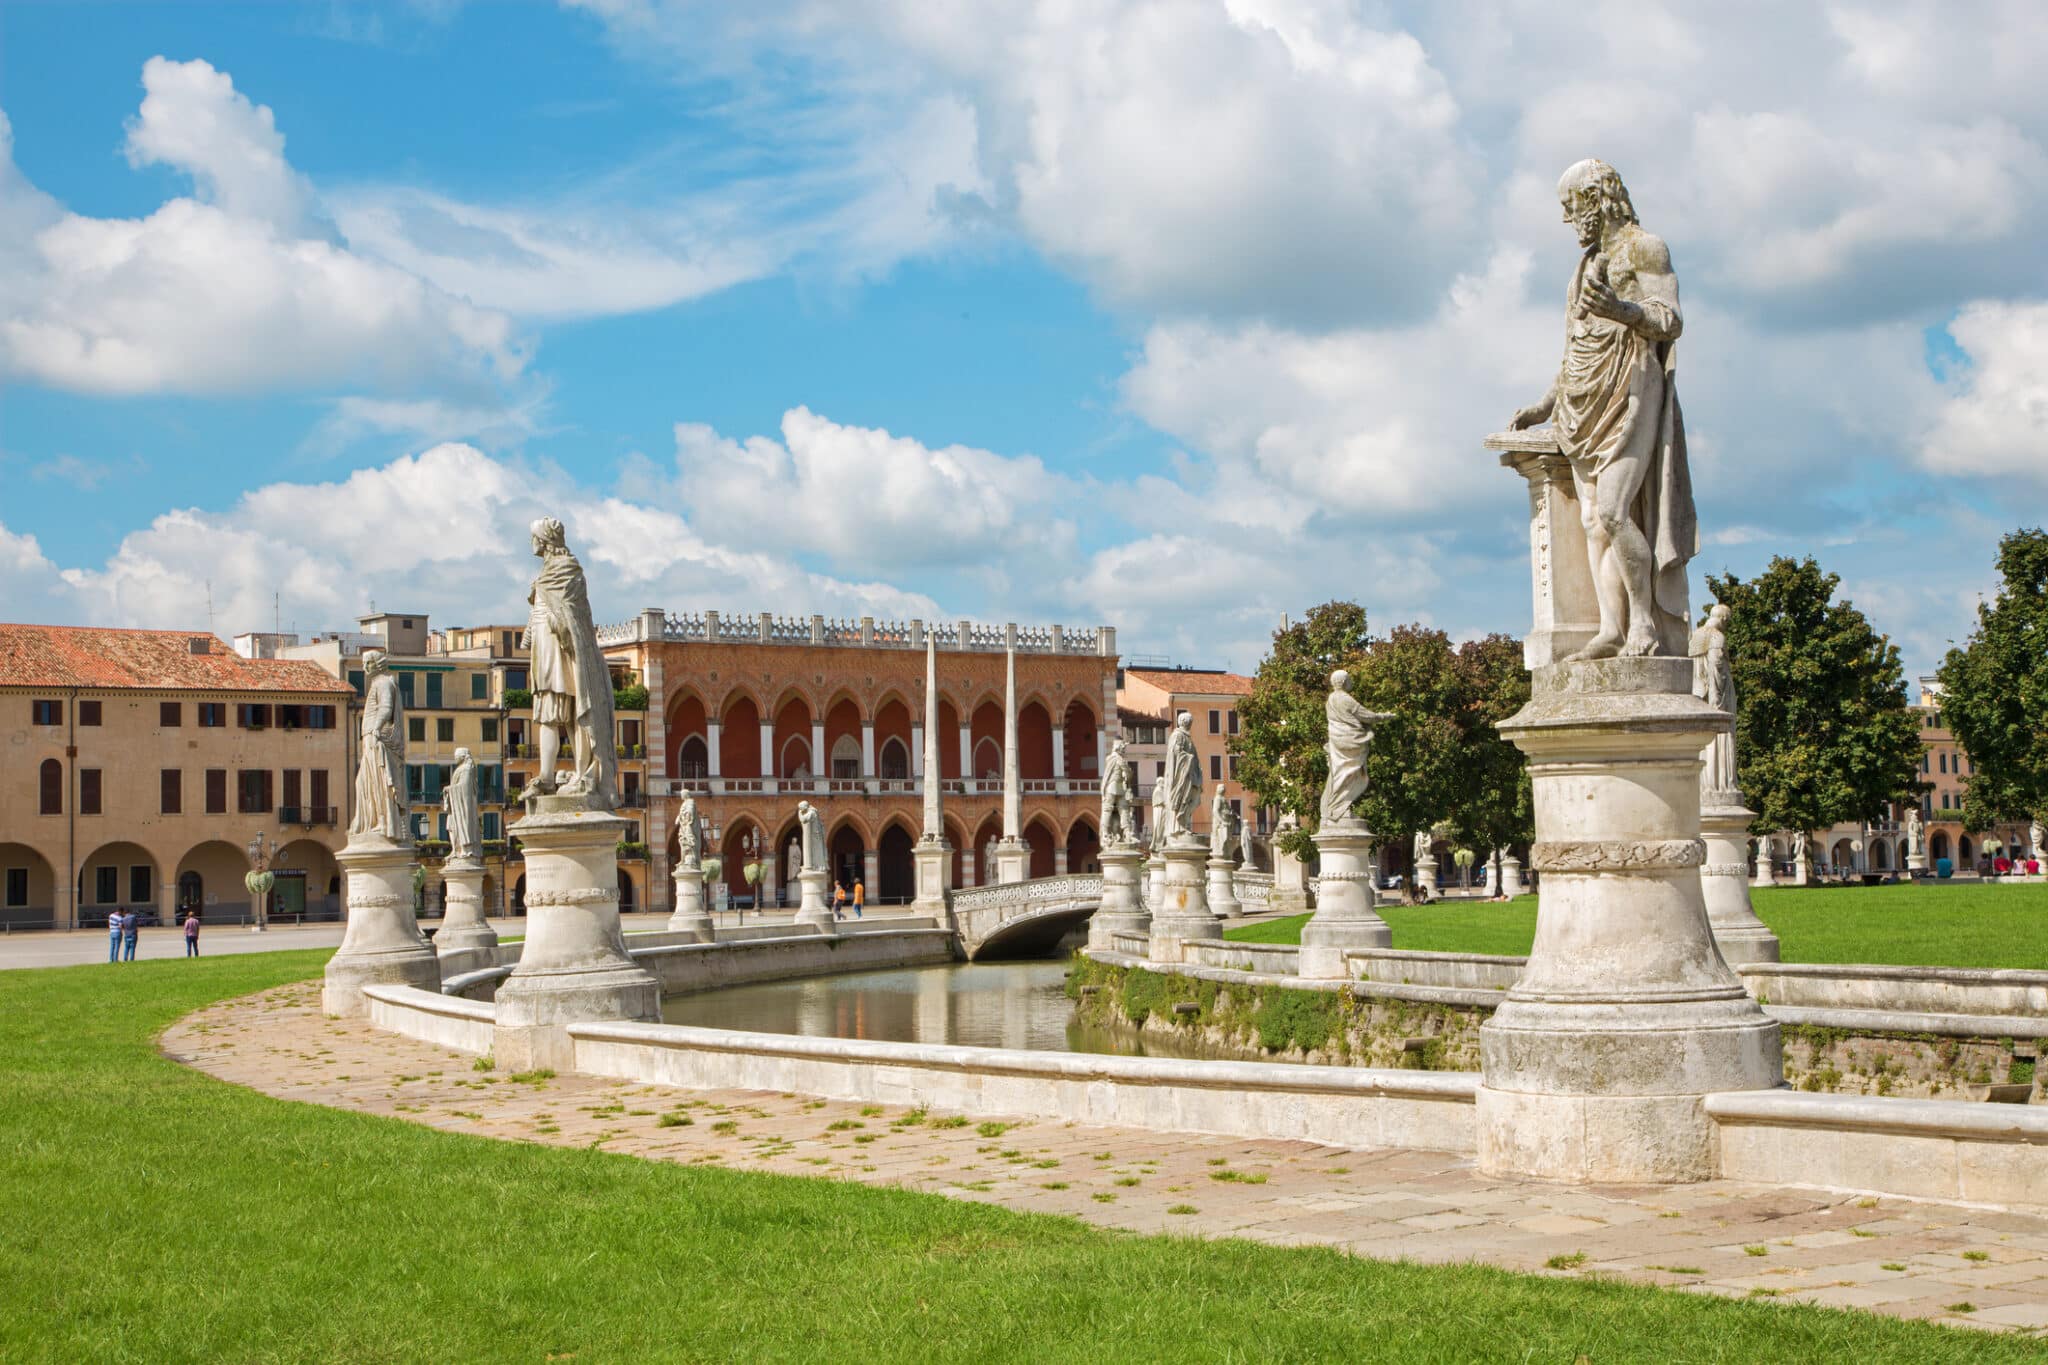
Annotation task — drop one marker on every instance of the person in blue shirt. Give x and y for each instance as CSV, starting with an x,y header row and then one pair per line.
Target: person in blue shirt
x,y
131,930
116,922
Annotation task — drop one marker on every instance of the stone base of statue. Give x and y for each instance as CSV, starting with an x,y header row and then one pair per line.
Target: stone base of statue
x,y
1916,863
1155,879
1511,883
932,863
1595,1065
1763,875
1013,861
1425,875
1121,911
1223,902
1724,882
1801,871
465,942
574,968
1344,918
814,906
690,915
1181,914
382,944
1289,895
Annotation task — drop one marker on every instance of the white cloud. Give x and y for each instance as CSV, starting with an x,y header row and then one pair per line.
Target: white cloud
x,y
194,120
1994,424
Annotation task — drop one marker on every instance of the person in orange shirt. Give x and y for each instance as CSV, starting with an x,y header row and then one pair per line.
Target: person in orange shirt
x,y
838,900
860,896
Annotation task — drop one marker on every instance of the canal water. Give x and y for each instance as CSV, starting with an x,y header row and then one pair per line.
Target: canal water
x,y
995,1004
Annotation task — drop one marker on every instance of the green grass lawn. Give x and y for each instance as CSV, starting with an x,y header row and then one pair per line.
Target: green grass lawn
x,y
1928,926
150,1213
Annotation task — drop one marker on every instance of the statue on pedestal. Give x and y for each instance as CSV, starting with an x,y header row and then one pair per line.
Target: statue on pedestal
x,y
1116,800
1156,835
1222,826
1713,682
1424,842
380,766
1615,407
1183,780
458,803
689,847
811,827
1349,745
572,688
1915,847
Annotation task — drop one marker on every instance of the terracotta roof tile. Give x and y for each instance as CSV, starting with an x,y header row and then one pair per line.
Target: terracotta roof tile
x,y
92,657
1194,681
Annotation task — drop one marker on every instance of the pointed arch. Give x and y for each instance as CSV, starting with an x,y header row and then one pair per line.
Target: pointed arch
x,y
1034,739
1043,840
739,736
1082,724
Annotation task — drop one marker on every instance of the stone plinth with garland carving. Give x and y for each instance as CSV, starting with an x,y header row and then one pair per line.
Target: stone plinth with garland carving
x,y
1597,1061
574,967
382,945
1344,917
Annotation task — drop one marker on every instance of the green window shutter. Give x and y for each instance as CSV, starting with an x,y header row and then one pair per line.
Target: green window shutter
x,y
433,690
405,687
479,687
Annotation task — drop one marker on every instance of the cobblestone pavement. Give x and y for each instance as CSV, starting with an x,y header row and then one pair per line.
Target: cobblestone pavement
x,y
1957,1264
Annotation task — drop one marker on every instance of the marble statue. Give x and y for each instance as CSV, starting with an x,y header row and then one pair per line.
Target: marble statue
x,y
380,766
1183,778
1349,745
811,827
689,846
1116,799
1798,846
2034,835
572,688
1424,842
458,802
1614,404
1222,825
1157,833
1914,836
1713,681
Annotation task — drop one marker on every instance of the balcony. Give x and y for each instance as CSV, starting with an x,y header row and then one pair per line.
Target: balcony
x,y
633,800
309,816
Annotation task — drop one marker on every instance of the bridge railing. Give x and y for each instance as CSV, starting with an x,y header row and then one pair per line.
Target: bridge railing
x,y
1071,886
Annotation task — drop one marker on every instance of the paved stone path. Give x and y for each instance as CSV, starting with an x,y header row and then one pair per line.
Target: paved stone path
x,y
1956,1264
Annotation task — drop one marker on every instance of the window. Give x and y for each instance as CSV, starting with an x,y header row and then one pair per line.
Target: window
x,y
1215,722
1159,768
1923,763
444,729
1233,722
253,791
515,679
1237,810
416,729
1944,762
171,792
356,680
1215,767
290,717
479,687
17,887
216,791
1233,767
138,885
170,714
46,712
292,779
490,822
490,729
213,714
88,791
253,715
508,642
106,885
433,691
405,688
319,793
51,782
88,713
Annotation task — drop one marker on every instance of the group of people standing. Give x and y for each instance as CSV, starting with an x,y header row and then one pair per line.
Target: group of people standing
x,y
124,930
839,898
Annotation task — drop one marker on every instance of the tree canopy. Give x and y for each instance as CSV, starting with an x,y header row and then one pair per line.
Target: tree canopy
x,y
1439,760
1823,730
1994,691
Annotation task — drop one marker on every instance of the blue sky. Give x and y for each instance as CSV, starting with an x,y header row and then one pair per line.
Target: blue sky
x,y
1174,316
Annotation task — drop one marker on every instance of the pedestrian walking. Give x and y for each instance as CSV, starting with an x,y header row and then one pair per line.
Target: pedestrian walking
x,y
860,896
115,922
192,932
131,930
838,900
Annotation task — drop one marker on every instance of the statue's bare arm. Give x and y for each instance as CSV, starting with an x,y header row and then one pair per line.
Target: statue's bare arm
x,y
1652,310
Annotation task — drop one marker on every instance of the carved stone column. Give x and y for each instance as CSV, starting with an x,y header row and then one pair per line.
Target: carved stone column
x,y
815,907
1182,914
1223,902
1120,912
1567,611
574,968
382,944
1724,881
1290,883
465,941
691,916
1344,917
1595,1065
1511,883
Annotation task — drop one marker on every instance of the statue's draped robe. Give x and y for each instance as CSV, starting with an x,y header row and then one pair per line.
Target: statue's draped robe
x,y
1219,825
688,849
1347,743
463,824
571,685
1157,833
380,769
1116,803
1616,391
813,826
1713,682
1183,781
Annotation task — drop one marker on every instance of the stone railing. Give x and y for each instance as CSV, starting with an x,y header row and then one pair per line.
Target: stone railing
x,y
1071,886
1254,890
714,627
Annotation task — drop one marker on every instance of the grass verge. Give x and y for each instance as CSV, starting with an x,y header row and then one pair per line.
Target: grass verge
x,y
154,1214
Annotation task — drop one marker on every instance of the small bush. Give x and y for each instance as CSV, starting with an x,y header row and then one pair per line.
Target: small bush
x,y
674,1121
1563,1261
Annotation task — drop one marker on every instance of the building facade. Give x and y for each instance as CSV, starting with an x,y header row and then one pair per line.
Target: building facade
x,y
754,714
142,763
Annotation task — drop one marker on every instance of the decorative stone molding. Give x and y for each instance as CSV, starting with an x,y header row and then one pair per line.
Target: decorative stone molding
x,y
1616,855
1724,870
374,902
582,895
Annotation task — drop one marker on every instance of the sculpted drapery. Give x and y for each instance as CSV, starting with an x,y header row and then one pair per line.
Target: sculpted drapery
x,y
812,826
1348,746
1713,682
1116,799
380,766
459,802
688,842
572,688
1183,778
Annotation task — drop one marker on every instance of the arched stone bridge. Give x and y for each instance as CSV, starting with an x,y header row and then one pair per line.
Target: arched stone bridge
x,y
1023,919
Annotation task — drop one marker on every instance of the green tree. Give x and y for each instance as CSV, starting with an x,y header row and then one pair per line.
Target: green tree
x,y
1280,738
1994,691
1824,734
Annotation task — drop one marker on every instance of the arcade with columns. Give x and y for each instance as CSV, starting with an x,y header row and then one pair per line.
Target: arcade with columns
x,y
756,713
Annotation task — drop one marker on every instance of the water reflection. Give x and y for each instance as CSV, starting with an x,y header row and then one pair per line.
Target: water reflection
x,y
997,1004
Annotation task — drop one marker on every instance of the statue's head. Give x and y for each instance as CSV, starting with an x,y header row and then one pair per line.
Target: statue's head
x,y
375,662
461,757
1593,196
1718,617
1116,750
548,534
803,809
1339,680
1184,721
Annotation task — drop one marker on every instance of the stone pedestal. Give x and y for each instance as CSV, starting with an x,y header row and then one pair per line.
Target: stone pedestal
x,y
574,968
1596,1062
1916,863
1802,871
1489,879
1511,882
1155,880
465,942
1182,914
1425,873
1763,875
932,861
814,903
1290,883
1724,882
382,945
1567,612
1120,911
690,915
1223,902
1013,861
1344,917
